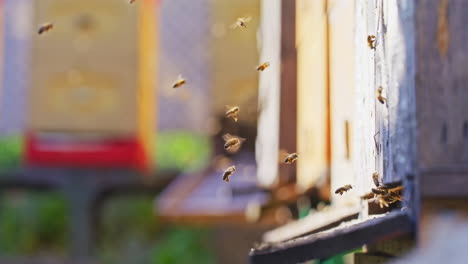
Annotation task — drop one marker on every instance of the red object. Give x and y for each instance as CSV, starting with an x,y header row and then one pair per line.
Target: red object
x,y
105,153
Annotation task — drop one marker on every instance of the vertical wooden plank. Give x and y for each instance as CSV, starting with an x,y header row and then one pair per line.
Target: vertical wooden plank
x,y
267,143
341,29
365,151
288,94
312,95
441,78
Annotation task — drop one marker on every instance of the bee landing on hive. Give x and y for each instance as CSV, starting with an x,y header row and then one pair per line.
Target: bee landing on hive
x,y
371,41
228,172
232,112
233,143
241,22
382,194
381,99
45,27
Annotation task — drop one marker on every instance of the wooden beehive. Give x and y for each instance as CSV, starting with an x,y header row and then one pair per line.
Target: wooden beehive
x,y
93,74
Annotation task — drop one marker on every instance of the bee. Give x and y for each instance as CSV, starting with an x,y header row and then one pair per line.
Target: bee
x,y
368,196
371,41
132,1
381,99
241,22
291,158
375,178
379,191
228,172
180,81
45,27
343,189
263,66
233,143
232,112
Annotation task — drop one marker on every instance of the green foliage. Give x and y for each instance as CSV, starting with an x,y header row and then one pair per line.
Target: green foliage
x,y
181,150
131,233
11,150
32,222
184,246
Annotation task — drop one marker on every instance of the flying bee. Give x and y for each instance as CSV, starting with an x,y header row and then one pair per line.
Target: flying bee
x,y
228,172
232,112
343,189
381,99
375,178
291,158
180,81
241,22
132,1
233,143
263,66
45,27
371,41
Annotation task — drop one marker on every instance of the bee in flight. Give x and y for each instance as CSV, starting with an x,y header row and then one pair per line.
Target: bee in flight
x,y
263,66
232,112
371,41
241,22
291,158
228,172
180,81
343,189
45,27
132,1
233,143
381,99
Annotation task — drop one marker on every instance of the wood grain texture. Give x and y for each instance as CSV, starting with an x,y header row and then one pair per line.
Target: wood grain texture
x,y
331,242
441,78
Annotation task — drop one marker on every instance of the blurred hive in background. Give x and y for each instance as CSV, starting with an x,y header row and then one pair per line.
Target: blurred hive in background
x,y
91,97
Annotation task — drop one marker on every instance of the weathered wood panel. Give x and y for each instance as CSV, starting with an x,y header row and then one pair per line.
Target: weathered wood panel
x,y
341,46
441,91
288,95
312,91
267,143
387,131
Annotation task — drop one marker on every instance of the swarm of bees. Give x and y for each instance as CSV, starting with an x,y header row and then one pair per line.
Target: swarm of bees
x,y
343,189
381,99
263,66
382,194
371,41
45,27
241,22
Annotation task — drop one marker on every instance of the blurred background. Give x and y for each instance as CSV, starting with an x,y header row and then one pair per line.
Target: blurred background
x,y
93,98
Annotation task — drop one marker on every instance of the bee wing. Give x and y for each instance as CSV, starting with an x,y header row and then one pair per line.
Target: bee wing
x,y
233,25
234,149
396,189
267,63
227,136
179,77
247,19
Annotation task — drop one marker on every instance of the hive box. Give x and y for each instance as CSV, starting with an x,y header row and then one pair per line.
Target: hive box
x,y
91,98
